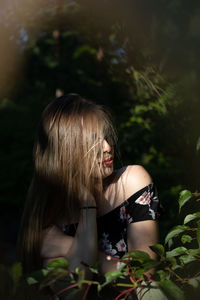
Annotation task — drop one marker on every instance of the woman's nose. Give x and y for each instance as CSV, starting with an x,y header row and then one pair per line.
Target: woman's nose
x,y
106,146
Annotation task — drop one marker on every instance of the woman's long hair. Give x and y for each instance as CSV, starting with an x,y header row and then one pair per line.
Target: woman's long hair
x,y
67,152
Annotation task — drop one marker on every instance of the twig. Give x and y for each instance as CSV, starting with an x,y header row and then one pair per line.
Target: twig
x,y
124,292
67,288
87,290
197,274
174,273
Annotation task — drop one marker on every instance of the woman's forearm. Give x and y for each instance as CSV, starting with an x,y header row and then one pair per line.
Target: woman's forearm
x,y
84,245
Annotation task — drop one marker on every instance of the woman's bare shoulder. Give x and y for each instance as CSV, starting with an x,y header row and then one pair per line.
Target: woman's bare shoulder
x,y
133,178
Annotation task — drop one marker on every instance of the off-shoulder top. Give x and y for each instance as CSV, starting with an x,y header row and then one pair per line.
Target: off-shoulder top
x,y
112,227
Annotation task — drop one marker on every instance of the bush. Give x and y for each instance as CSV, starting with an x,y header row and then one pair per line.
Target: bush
x,y
176,273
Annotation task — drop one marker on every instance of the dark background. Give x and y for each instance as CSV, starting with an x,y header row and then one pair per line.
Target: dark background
x,y
141,59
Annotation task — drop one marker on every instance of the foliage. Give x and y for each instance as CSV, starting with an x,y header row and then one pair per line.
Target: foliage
x,y
140,58
176,274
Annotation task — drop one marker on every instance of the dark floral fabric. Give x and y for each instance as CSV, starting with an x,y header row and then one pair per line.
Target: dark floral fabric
x,y
112,227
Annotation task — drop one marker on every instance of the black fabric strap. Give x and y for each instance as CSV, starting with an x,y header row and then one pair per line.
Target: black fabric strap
x,y
86,207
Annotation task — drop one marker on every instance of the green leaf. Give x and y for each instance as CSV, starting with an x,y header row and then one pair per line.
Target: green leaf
x,y
50,62
175,231
99,288
120,266
173,262
39,275
84,49
163,275
171,290
158,249
94,268
175,252
185,259
58,263
198,233
112,275
16,272
170,243
150,264
191,217
31,280
195,282
186,238
52,276
194,251
184,197
137,255
198,144
139,273
150,291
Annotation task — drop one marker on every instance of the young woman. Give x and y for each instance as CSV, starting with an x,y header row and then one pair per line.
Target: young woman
x,y
78,207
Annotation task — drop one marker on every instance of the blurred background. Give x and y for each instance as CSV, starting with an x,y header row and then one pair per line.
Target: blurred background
x,y
140,58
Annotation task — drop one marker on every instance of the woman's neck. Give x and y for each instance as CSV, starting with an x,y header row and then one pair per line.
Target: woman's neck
x,y
108,180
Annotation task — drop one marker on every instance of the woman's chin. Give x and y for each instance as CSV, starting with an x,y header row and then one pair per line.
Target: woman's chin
x,y
107,171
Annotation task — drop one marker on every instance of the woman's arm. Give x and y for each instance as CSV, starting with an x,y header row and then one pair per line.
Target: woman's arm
x,y
81,248
144,233
84,245
141,235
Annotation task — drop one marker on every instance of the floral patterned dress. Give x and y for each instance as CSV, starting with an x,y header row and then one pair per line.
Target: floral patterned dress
x,y
112,227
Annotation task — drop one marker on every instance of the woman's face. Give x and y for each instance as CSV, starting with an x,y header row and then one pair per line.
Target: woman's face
x,y
107,163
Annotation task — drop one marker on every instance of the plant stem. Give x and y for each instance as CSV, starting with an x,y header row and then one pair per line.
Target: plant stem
x,y
67,288
124,292
86,292
171,271
124,284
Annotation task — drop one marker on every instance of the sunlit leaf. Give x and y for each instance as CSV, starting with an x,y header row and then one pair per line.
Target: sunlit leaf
x,y
171,290
186,238
163,275
175,231
198,144
150,292
175,252
158,249
191,217
184,197
173,262
112,275
120,266
185,259
31,280
83,49
58,263
198,233
135,254
195,282
93,270
194,251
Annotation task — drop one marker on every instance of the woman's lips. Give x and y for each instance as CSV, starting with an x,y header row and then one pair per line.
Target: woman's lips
x,y
108,162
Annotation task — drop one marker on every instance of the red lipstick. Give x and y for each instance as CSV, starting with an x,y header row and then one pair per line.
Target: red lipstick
x,y
108,162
